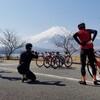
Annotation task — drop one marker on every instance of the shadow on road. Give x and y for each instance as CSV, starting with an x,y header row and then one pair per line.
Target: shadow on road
x,y
57,83
5,72
10,78
93,85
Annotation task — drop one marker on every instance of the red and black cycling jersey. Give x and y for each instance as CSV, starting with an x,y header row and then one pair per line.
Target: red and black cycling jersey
x,y
83,36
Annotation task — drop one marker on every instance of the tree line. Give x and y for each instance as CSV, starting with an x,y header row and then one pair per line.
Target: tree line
x,y
10,42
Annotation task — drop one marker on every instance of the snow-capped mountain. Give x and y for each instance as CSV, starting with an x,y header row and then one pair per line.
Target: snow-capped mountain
x,y
48,34
46,38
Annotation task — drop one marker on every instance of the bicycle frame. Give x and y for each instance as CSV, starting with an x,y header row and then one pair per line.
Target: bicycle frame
x,y
97,64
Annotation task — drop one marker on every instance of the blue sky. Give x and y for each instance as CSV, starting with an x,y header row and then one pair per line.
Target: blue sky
x,y
30,17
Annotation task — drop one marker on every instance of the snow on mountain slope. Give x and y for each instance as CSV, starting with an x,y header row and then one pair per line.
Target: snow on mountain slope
x,y
44,39
48,34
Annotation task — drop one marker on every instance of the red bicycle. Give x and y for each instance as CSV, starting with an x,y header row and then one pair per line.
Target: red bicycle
x,y
97,64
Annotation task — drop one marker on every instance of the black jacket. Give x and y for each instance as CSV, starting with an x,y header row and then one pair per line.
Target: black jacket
x,y
26,57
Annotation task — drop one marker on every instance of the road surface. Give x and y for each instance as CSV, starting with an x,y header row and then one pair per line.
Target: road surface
x,y
52,84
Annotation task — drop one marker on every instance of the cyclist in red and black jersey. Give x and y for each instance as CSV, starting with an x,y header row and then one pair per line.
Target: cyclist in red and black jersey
x,y
85,39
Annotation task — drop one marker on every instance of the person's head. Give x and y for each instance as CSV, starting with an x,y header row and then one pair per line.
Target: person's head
x,y
81,26
28,46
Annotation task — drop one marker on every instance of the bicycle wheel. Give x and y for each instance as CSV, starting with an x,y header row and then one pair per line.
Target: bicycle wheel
x,y
62,60
97,70
47,62
40,61
55,62
68,61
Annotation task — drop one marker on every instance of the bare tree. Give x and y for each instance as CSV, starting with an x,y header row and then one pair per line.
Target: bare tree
x,y
65,42
11,42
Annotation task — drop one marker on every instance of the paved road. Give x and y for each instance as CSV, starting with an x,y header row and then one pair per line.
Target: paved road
x,y
52,84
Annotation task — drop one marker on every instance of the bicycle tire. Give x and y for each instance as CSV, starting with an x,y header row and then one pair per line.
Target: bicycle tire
x,y
89,70
40,61
68,61
55,62
47,62
97,71
62,60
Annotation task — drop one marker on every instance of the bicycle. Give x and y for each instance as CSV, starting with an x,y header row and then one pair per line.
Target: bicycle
x,y
47,59
44,59
58,60
40,60
97,65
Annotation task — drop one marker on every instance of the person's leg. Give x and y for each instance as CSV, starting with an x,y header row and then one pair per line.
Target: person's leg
x,y
83,64
91,58
24,77
31,75
22,70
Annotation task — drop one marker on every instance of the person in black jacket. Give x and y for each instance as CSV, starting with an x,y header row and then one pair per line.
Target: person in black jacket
x,y
24,63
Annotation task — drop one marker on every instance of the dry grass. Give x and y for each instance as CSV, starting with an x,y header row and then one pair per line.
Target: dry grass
x,y
76,58
10,61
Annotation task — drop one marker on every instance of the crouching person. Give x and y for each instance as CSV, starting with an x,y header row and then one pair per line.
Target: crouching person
x,y
24,63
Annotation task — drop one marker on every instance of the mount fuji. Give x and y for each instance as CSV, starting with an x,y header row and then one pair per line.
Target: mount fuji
x,y
44,40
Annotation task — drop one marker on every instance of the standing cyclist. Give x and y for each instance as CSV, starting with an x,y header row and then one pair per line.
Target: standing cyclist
x,y
24,63
85,39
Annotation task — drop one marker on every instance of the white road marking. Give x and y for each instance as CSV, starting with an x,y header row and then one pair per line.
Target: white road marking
x,y
3,64
48,75
61,77
8,69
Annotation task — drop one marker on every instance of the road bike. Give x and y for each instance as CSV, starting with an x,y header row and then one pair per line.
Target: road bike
x,y
97,65
59,60
48,59
44,59
40,60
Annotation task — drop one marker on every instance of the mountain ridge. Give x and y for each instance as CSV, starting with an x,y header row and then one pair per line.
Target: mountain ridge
x,y
45,39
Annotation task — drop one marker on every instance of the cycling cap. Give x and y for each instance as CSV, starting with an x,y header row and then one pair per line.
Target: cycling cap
x,y
81,26
28,46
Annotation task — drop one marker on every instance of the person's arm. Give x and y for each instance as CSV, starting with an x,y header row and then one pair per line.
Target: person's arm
x,y
94,32
75,36
34,55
